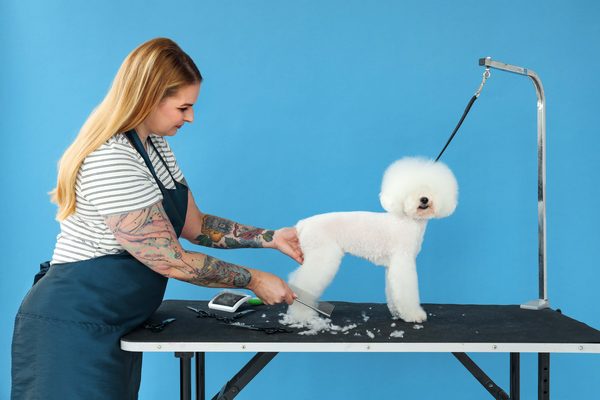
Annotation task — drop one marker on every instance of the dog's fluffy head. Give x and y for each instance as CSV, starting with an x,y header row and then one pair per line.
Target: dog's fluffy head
x,y
419,188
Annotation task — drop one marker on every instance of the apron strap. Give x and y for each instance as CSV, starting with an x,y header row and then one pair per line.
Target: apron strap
x,y
174,200
160,157
44,267
137,144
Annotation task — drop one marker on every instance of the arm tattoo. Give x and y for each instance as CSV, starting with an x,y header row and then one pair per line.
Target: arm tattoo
x,y
225,234
215,270
148,235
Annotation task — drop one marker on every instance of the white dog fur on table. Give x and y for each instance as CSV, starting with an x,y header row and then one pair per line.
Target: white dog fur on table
x,y
413,191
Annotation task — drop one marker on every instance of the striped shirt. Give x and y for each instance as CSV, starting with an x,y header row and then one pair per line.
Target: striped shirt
x,y
112,180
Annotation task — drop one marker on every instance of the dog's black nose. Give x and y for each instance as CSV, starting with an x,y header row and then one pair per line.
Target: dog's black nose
x,y
424,200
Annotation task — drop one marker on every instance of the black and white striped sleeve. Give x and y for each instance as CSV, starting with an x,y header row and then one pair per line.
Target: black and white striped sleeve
x,y
115,182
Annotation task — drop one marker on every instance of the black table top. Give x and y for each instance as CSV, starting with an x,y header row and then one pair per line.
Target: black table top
x,y
447,323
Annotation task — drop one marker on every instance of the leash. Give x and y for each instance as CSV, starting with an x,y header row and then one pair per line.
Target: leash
x,y
486,75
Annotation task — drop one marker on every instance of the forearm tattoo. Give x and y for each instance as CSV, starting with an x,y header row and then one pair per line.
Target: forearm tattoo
x,y
148,235
215,270
225,234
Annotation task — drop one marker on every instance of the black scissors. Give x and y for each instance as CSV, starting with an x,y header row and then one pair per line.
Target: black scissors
x,y
268,330
158,326
231,321
208,314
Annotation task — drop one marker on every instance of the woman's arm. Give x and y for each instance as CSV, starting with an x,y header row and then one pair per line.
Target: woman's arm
x,y
148,235
212,231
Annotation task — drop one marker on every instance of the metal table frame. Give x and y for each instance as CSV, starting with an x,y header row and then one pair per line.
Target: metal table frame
x,y
542,302
234,386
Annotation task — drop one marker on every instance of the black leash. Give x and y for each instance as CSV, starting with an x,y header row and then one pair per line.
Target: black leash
x,y
486,75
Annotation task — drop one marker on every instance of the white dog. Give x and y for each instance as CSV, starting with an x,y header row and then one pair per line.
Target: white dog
x,y
413,191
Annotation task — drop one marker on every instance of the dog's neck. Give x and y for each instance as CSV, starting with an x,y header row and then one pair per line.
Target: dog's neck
x,y
419,221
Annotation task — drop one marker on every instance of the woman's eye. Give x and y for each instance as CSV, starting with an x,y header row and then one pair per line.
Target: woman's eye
x,y
182,109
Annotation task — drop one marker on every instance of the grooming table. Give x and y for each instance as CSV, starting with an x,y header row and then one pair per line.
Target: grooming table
x,y
450,328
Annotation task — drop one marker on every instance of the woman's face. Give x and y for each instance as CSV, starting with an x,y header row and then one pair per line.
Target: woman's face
x,y
173,111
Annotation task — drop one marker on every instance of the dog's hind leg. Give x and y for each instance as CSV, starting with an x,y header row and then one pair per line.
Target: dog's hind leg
x,y
314,275
402,289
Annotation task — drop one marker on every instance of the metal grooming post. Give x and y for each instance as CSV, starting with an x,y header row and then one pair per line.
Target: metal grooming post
x,y
542,302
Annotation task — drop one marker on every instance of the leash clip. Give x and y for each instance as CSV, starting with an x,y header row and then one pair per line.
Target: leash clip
x,y
486,75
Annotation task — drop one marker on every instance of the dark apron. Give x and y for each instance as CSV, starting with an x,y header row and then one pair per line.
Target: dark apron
x,y
66,341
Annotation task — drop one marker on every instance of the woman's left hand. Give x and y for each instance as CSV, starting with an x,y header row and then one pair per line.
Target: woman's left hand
x,y
286,241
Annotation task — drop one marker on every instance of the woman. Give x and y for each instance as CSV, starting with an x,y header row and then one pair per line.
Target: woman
x,y
123,204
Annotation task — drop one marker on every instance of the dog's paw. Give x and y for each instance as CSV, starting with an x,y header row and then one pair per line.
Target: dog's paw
x,y
416,314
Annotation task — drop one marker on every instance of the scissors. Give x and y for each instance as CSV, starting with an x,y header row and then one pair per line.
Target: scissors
x,y
159,326
268,330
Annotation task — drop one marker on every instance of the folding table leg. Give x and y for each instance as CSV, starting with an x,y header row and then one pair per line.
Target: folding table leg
x,y
200,370
233,387
481,376
185,375
515,376
543,376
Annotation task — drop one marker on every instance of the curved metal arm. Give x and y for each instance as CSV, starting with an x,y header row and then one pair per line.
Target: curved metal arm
x,y
542,302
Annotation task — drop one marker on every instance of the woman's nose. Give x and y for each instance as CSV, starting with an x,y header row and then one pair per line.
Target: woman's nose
x,y
188,116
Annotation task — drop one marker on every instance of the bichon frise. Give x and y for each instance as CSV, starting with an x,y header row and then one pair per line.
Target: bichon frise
x,y
413,191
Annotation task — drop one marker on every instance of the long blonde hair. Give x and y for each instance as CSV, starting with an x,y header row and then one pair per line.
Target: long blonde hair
x,y
153,71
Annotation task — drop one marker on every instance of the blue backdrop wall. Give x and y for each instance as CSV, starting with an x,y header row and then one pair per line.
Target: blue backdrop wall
x,y
304,104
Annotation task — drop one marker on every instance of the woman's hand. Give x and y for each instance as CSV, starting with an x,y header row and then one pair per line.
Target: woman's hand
x,y
286,241
270,288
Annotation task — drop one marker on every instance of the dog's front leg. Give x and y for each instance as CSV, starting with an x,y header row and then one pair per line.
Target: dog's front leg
x,y
320,265
402,289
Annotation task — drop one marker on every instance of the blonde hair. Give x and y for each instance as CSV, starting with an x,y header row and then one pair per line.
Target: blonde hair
x,y
153,71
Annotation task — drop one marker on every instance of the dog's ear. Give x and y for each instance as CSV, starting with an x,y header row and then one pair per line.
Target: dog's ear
x,y
386,202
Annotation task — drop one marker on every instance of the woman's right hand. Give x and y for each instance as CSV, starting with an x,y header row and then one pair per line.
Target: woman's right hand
x,y
270,288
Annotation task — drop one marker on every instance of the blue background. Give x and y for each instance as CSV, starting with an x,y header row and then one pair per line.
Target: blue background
x,y
304,104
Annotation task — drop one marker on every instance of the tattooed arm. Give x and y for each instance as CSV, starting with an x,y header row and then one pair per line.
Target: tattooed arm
x,y
223,233
212,231
148,235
